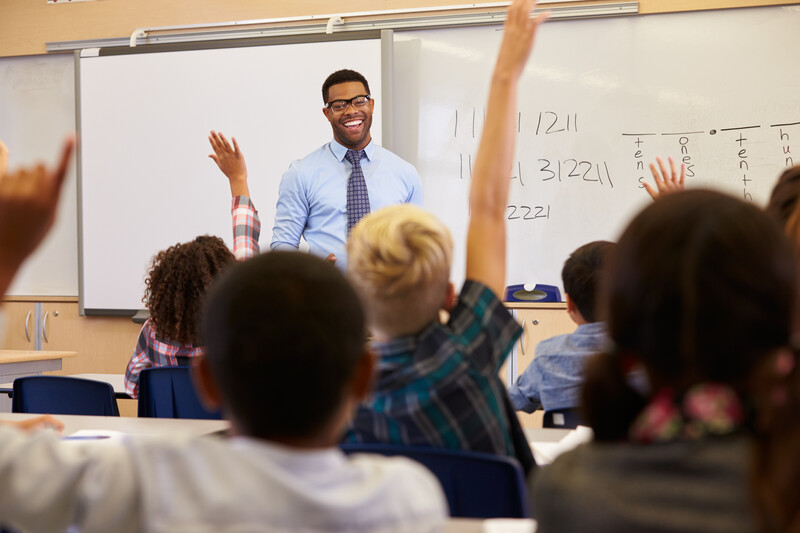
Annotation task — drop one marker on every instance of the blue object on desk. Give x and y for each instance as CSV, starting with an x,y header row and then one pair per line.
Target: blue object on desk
x,y
539,293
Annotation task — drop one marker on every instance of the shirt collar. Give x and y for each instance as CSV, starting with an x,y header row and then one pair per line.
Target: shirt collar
x,y
591,328
339,151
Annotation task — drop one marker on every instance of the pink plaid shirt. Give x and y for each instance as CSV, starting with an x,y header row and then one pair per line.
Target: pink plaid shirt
x,y
151,351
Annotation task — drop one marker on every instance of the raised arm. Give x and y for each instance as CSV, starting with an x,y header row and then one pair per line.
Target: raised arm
x,y
3,158
665,183
486,237
230,160
246,224
28,202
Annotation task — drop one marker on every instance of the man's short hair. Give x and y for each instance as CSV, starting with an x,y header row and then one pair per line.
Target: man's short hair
x,y
581,274
342,76
399,262
283,334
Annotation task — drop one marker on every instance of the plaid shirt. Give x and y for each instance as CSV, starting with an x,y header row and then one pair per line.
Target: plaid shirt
x,y
246,228
150,351
441,388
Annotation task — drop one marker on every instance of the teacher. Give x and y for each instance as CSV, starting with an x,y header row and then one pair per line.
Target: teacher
x,y
323,195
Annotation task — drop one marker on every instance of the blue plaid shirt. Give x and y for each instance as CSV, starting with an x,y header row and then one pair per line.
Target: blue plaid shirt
x,y
440,388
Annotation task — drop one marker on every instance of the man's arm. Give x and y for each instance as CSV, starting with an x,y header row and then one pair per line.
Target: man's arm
x,y
486,236
291,212
415,197
28,202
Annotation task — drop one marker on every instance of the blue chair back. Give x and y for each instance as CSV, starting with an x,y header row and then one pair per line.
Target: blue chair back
x,y
477,485
168,392
563,419
63,395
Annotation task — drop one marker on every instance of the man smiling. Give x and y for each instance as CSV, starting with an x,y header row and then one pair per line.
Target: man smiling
x,y
324,194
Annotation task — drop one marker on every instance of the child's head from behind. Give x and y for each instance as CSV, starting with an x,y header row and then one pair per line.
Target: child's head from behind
x,y
581,275
784,203
700,287
399,263
284,336
177,283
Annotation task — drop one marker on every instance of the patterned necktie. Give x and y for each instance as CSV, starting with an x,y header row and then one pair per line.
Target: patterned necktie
x,y
357,195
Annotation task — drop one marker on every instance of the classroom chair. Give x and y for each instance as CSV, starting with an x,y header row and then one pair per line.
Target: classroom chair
x,y
63,395
477,485
168,392
563,419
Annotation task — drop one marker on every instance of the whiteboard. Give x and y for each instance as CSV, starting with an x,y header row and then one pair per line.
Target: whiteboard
x,y
37,111
599,100
146,181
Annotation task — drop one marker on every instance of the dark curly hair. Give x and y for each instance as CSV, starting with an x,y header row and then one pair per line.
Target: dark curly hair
x,y
177,283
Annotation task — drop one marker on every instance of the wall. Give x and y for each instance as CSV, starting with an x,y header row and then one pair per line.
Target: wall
x,y
26,25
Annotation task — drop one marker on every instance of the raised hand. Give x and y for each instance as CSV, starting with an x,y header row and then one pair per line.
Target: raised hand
x,y
28,202
36,423
486,237
3,158
519,34
230,160
665,183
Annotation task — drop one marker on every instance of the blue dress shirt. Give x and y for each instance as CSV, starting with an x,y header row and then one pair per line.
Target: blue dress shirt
x,y
555,376
312,199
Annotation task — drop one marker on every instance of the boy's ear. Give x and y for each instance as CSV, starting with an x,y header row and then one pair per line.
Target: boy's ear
x,y
205,385
450,298
571,308
364,376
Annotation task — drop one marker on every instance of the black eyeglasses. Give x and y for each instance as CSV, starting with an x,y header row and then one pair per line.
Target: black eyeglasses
x,y
340,106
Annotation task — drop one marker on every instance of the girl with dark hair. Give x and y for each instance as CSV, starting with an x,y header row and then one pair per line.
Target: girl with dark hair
x,y
700,293
180,276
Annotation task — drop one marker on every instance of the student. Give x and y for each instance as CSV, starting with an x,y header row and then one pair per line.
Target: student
x,y
783,203
437,384
553,379
700,291
180,275
28,202
271,323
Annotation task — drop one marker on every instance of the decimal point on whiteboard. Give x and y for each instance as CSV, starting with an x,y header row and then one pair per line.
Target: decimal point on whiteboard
x,y
713,132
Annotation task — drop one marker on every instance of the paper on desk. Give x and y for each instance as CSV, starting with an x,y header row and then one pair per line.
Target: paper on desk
x,y
94,436
546,452
509,525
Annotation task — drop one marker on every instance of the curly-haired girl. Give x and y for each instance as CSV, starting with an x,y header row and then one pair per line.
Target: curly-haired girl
x,y
180,276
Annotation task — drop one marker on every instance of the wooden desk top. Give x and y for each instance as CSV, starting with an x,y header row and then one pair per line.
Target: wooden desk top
x,y
133,426
21,356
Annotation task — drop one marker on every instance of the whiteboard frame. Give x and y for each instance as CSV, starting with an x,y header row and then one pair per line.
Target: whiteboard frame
x,y
385,37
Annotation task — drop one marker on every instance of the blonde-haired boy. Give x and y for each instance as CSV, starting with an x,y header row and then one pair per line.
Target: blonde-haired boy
x,y
437,384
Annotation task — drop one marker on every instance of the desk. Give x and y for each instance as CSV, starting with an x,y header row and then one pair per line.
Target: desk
x,y
15,363
463,525
133,426
545,434
19,363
